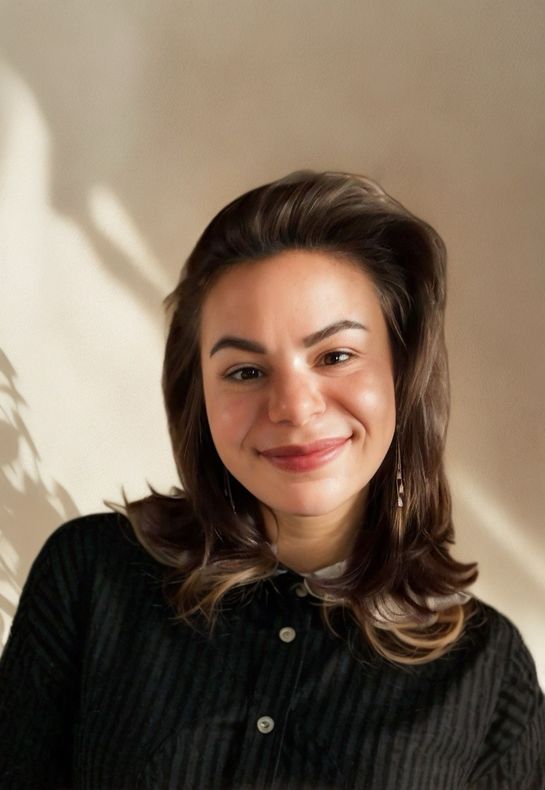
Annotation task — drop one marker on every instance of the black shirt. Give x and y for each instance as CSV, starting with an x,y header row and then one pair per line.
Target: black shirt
x,y
100,688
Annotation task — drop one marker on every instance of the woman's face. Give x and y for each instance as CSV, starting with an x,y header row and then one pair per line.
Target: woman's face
x,y
298,380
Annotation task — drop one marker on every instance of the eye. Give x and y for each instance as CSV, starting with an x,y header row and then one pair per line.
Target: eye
x,y
336,357
247,373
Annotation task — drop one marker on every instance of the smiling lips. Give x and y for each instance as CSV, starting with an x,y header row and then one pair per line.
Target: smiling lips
x,y
304,457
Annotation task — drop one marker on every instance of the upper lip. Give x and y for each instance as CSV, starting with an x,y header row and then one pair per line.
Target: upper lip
x,y
287,450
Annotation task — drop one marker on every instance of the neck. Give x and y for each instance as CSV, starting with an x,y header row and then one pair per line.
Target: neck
x,y
308,543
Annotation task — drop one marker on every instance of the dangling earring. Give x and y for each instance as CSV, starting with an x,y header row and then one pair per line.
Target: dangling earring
x,y
399,476
227,489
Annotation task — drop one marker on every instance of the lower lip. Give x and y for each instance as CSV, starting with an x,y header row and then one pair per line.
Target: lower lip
x,y
306,463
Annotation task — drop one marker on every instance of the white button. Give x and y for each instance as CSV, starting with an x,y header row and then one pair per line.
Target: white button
x,y
265,724
287,634
301,591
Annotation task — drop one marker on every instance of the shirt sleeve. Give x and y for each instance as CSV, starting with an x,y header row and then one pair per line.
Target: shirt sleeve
x,y
513,753
39,670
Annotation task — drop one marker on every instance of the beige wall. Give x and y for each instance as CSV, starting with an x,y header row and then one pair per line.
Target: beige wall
x,y
124,126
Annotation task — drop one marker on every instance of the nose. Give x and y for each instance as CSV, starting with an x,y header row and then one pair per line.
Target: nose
x,y
294,398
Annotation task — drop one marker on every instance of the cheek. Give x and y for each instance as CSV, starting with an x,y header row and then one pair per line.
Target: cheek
x,y
373,399
230,418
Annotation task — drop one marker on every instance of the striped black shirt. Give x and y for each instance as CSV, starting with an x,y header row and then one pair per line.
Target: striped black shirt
x,y
100,689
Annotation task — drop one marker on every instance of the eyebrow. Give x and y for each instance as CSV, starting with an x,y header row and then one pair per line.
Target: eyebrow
x,y
230,341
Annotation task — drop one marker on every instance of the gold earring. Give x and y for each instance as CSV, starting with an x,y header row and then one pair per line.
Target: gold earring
x,y
399,476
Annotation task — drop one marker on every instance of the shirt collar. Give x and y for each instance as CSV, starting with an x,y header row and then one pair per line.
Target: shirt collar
x,y
395,613
328,572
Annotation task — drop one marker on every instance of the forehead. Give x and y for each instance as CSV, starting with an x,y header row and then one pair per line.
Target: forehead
x,y
301,290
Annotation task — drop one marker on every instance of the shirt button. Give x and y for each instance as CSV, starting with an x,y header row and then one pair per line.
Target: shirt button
x,y
265,724
301,591
287,634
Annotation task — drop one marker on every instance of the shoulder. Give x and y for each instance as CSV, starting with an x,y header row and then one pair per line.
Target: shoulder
x,y
493,652
90,529
89,538
77,558
87,549
502,677
88,565
493,636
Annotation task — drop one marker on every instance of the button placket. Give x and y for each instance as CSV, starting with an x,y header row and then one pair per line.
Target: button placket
x,y
278,672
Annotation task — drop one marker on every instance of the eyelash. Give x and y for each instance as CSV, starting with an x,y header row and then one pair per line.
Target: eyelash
x,y
232,375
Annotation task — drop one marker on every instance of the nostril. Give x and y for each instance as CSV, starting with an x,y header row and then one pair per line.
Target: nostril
x,y
296,406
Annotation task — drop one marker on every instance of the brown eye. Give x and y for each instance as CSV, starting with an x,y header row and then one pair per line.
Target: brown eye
x,y
244,374
336,357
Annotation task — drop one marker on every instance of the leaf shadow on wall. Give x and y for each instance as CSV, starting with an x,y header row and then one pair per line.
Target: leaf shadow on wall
x,y
28,500
114,169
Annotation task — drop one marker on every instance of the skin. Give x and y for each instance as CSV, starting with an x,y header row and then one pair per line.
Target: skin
x,y
293,391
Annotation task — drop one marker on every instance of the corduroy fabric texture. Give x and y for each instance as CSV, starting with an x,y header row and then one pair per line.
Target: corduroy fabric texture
x,y
100,689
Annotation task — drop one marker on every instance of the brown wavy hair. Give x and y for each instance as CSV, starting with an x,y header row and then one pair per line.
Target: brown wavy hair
x,y
400,565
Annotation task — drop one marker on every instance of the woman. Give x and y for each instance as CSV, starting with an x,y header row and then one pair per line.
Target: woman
x,y
293,619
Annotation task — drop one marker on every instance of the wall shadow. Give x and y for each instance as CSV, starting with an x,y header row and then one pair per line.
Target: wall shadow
x,y
29,502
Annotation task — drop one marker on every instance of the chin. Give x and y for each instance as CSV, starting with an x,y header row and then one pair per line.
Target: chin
x,y
317,502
